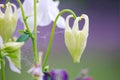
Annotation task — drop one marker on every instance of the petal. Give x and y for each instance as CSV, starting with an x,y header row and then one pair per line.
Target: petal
x,y
1,42
53,3
12,66
61,74
28,10
53,74
67,22
11,47
53,12
8,21
8,12
28,7
86,25
75,25
36,70
15,13
61,22
43,18
40,78
80,46
1,13
30,21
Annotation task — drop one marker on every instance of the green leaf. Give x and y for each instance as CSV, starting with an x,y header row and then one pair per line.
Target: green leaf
x,y
21,31
23,38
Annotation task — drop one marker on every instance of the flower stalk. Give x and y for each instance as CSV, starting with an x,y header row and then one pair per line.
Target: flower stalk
x,y
24,18
52,34
34,39
2,66
34,34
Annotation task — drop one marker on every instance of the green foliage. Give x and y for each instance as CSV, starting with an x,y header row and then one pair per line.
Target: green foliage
x,y
23,37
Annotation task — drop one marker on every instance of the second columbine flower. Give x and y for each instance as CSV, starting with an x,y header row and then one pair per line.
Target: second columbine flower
x,y
76,39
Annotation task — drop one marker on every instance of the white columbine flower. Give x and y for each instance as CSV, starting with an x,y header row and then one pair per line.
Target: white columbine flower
x,y
8,20
47,11
76,39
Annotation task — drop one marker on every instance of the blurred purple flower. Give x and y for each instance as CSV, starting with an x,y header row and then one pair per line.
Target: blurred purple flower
x,y
46,76
55,74
85,78
62,75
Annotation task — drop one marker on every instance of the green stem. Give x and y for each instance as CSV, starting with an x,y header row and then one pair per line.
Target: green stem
x,y
34,40
34,35
34,45
2,67
35,78
52,34
24,18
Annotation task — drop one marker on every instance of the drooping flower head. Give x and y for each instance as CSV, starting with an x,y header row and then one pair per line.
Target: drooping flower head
x,y
76,39
47,11
8,20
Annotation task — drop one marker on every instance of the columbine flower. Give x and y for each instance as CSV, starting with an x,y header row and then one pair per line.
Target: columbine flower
x,y
8,21
11,50
76,39
36,70
59,74
47,11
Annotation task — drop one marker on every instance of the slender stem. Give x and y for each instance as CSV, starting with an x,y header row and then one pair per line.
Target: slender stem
x,y
34,40
34,35
2,67
34,45
24,18
35,78
52,34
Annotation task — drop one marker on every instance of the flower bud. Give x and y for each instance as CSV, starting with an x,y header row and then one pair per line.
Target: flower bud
x,y
76,39
8,20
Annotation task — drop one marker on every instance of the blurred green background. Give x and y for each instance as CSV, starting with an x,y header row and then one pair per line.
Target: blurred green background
x,y
102,54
